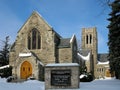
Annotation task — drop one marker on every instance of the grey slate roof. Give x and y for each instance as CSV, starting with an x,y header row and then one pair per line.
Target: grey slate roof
x,y
84,52
103,57
64,43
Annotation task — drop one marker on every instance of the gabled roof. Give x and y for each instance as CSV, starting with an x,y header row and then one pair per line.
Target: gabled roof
x,y
35,13
73,38
103,57
86,58
64,43
84,52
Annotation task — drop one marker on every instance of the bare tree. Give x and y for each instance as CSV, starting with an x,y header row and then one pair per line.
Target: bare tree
x,y
105,5
4,52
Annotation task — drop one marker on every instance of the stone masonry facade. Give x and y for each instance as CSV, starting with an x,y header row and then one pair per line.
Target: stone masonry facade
x,y
97,64
38,44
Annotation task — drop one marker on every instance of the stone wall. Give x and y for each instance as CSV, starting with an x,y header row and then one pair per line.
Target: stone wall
x,y
48,51
101,70
90,42
47,40
65,55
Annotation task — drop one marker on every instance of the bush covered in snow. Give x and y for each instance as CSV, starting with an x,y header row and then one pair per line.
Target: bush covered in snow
x,y
84,75
6,72
87,77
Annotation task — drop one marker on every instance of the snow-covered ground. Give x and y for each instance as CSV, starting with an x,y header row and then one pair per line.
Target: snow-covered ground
x,y
106,84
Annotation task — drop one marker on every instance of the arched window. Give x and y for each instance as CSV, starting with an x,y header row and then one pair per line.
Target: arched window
x,y
34,39
86,39
90,38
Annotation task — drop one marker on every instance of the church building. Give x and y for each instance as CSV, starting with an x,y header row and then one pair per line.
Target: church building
x,y
38,44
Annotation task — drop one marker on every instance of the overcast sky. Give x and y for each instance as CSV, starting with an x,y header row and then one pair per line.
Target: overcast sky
x,y
67,17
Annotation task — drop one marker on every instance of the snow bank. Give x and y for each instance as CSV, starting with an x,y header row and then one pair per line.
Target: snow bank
x,y
27,85
105,84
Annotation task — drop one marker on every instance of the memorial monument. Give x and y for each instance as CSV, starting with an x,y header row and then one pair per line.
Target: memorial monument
x,y
62,76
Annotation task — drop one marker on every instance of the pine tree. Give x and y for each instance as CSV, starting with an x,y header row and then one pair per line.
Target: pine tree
x,y
114,38
4,53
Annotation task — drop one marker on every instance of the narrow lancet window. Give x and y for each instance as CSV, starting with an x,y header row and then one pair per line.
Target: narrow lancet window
x,y
90,39
34,39
86,39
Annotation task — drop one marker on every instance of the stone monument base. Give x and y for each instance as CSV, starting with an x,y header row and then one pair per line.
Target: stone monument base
x,y
62,76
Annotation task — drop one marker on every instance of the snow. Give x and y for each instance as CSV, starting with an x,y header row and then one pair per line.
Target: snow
x,y
104,84
4,66
41,63
103,62
71,40
83,75
24,54
63,64
27,85
107,84
86,58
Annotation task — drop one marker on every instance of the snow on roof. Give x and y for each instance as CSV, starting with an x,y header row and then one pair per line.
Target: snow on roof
x,y
84,57
63,64
72,38
4,66
103,62
24,54
41,63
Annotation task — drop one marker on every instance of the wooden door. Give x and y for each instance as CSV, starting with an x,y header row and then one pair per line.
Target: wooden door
x,y
107,73
25,70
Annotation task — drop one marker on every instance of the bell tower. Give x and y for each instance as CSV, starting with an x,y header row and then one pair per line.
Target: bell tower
x,y
89,42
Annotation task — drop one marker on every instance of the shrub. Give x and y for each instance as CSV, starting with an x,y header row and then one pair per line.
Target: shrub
x,y
87,77
6,72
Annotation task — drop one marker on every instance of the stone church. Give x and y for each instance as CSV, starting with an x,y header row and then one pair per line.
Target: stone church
x,y
38,44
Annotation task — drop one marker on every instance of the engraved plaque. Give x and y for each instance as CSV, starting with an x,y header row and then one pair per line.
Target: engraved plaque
x,y
61,77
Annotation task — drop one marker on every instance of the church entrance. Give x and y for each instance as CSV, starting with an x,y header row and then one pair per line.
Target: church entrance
x,y
25,70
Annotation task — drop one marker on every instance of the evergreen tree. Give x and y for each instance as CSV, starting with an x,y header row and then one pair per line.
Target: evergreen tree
x,y
4,53
114,38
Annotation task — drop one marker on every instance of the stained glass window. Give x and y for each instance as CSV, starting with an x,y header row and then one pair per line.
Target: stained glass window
x,y
34,39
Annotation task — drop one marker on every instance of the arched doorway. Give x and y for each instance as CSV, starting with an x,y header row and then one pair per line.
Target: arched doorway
x,y
25,70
